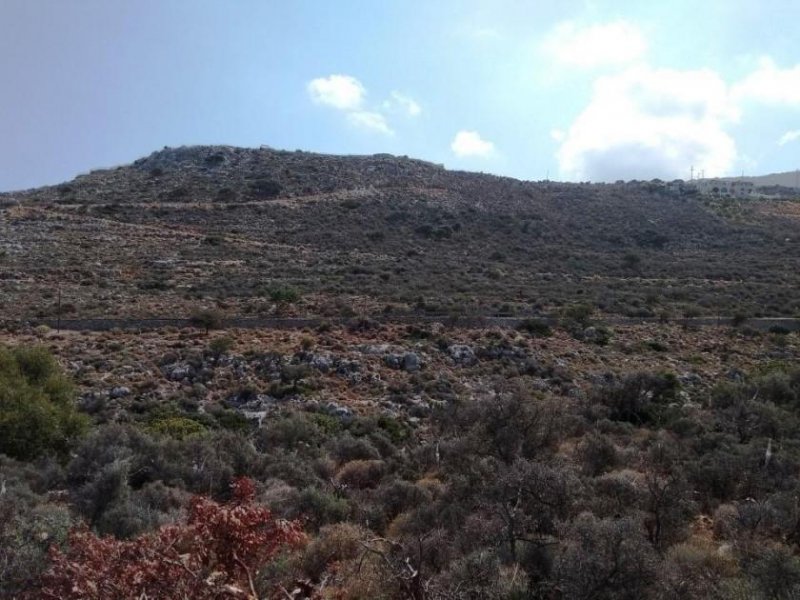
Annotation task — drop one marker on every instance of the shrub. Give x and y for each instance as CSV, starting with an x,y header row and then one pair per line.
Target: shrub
x,y
321,508
215,554
597,454
178,428
578,313
605,558
631,261
290,432
37,410
348,448
396,430
334,544
221,345
639,398
27,529
284,295
361,473
535,327
206,318
265,189
777,573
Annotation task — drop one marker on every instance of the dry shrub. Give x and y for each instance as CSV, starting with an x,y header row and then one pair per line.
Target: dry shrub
x,y
334,544
361,473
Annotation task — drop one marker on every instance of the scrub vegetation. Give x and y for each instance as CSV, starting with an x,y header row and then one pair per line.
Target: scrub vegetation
x,y
567,457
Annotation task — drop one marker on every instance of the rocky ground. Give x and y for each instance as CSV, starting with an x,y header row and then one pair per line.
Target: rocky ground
x,y
402,371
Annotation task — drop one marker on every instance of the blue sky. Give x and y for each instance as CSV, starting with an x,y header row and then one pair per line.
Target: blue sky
x,y
572,90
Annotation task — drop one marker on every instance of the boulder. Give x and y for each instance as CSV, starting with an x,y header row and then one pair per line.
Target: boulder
x,y
462,355
411,362
119,392
179,371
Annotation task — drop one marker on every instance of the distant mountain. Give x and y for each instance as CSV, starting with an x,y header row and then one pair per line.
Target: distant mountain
x,y
253,231
789,179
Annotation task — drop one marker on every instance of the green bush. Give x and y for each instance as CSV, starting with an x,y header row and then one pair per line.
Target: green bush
x,y
321,508
535,328
178,428
37,409
638,398
284,295
579,313
221,345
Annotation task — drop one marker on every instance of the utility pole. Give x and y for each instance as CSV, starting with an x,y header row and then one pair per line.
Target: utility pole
x,y
58,312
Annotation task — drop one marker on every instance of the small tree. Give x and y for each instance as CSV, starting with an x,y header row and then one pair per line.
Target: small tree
x,y
208,319
37,409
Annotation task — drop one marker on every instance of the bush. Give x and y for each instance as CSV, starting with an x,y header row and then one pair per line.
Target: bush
x,y
291,432
578,313
284,295
640,398
348,448
37,410
28,527
213,555
178,428
605,558
361,473
208,319
221,345
535,328
777,573
321,508
334,544
597,454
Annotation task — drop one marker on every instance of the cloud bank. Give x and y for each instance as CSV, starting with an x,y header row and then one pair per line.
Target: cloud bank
x,y
645,123
642,121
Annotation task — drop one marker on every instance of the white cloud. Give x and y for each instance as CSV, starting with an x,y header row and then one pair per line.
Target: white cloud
x,y
339,91
615,43
399,102
470,143
347,94
643,123
371,121
771,85
789,137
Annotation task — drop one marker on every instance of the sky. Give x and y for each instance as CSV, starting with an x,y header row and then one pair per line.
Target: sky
x,y
571,90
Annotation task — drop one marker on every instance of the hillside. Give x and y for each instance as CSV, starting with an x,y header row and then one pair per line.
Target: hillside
x,y
577,458
788,179
203,225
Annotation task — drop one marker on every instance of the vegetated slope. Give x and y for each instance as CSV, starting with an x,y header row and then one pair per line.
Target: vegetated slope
x,y
257,230
787,179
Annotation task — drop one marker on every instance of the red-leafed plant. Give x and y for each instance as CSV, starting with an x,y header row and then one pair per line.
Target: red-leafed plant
x,y
215,554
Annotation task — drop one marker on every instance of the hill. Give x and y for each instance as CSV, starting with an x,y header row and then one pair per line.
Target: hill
x,y
431,459
789,179
255,231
